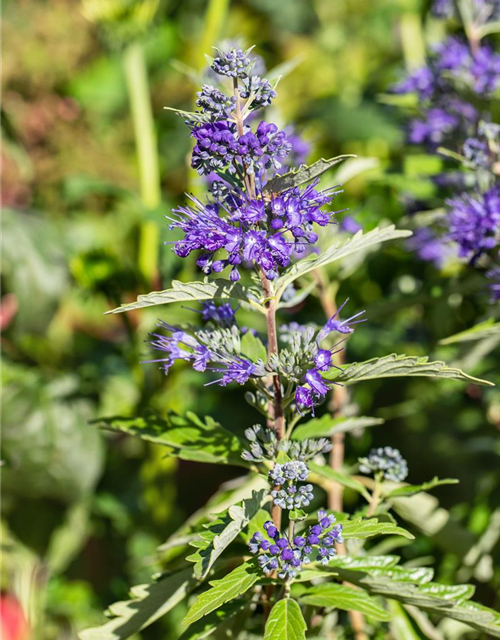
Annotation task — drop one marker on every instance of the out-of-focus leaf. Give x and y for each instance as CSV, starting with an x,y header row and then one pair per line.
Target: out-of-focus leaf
x,y
189,291
150,602
337,251
67,540
327,426
188,437
411,490
220,533
302,175
355,167
233,585
338,477
340,596
394,366
34,268
480,331
285,622
46,439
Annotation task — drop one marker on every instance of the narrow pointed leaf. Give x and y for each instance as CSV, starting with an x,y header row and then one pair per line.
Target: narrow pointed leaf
x,y
187,437
328,426
232,586
362,528
394,366
337,251
207,625
339,596
192,291
340,478
219,534
411,490
480,331
285,622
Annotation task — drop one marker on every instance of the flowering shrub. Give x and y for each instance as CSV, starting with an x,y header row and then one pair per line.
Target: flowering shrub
x,y
271,563
456,90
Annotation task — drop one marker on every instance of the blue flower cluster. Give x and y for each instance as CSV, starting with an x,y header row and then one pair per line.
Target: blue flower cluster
x,y
288,495
252,231
242,226
387,461
474,222
286,556
445,113
214,348
219,148
455,90
234,63
314,387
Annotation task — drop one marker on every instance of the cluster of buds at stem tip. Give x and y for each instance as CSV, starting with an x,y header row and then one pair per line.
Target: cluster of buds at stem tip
x,y
386,462
286,554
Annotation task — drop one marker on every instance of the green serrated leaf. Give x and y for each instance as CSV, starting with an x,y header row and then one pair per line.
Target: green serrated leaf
x,y
338,477
411,490
233,585
339,596
219,534
327,426
361,528
190,291
285,622
394,366
208,624
187,437
150,602
253,348
360,241
302,175
480,331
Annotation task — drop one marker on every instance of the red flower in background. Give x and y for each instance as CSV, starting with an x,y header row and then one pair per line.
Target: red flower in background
x,y
13,623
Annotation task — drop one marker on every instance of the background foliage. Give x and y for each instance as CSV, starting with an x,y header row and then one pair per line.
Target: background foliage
x,y
83,511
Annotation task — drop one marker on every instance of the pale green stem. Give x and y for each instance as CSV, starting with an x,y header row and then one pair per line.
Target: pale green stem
x,y
376,495
412,40
136,76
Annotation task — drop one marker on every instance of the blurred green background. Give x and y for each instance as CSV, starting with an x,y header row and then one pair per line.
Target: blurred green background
x,y
91,164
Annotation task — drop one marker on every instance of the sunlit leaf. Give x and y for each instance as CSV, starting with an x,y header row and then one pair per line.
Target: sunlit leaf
x,y
285,622
339,596
234,584
337,251
394,366
486,329
336,476
327,426
187,437
366,528
411,490
191,291
220,533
